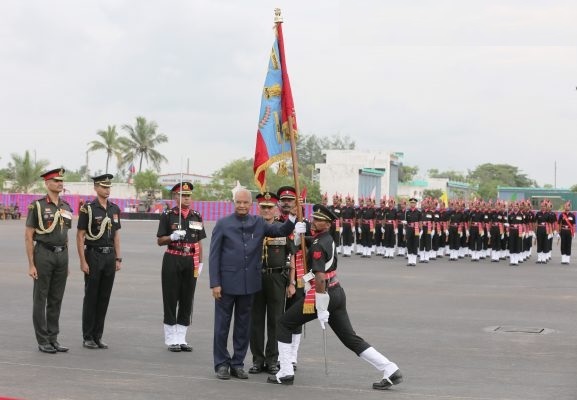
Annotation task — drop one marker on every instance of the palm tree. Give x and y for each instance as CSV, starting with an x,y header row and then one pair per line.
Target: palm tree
x,y
26,171
111,143
141,142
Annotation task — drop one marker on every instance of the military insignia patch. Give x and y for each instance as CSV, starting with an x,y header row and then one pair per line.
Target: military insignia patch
x,y
317,255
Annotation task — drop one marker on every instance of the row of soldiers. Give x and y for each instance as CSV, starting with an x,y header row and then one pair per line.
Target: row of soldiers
x,y
498,230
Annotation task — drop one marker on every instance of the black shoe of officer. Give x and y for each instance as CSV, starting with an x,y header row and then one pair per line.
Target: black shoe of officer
x,y
58,347
100,344
90,344
175,348
386,383
222,372
256,369
186,347
47,348
238,373
272,369
285,380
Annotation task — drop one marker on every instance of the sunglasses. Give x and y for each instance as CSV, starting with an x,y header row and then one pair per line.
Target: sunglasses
x,y
266,207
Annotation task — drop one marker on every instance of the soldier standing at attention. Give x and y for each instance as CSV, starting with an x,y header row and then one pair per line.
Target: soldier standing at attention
x,y
49,219
181,265
567,232
412,225
268,304
348,217
98,245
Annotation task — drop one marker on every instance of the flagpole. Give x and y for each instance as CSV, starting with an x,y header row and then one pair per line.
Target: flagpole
x,y
279,20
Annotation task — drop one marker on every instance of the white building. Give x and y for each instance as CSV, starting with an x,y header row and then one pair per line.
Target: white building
x,y
359,173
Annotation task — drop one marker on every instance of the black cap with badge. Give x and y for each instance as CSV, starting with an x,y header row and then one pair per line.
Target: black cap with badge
x,y
103,180
322,212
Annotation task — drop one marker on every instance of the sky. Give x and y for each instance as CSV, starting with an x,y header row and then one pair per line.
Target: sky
x,y
452,84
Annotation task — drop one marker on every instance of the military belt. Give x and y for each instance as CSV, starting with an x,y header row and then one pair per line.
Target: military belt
x,y
101,249
54,249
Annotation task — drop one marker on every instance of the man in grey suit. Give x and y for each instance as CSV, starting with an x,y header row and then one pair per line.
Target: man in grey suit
x,y
235,264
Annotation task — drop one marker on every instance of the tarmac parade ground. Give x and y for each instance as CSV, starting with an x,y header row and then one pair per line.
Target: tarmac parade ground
x,y
458,330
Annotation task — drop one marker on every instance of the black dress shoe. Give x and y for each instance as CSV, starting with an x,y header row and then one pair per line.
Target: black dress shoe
x,y
186,347
59,348
272,369
386,383
222,372
255,369
100,344
285,380
89,344
175,348
238,373
47,348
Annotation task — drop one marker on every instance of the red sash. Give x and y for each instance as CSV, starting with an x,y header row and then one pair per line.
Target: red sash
x,y
569,224
309,304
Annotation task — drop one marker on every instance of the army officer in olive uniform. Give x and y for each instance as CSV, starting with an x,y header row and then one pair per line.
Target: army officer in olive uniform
x,y
49,219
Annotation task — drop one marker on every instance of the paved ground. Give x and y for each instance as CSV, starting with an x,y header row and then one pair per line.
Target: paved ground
x,y
436,321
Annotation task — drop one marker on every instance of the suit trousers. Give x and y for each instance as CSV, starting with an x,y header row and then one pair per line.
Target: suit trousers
x,y
241,306
48,292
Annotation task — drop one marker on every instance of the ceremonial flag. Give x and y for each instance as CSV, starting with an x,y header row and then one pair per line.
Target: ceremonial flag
x,y
445,199
131,169
276,113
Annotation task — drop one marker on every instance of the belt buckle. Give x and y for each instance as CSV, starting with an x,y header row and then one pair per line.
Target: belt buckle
x,y
186,249
106,250
58,249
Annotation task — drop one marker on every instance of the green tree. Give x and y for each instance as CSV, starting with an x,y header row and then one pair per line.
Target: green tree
x,y
145,181
110,142
407,173
450,175
26,171
432,193
78,175
489,176
141,142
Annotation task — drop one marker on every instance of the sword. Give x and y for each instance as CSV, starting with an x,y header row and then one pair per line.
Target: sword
x,y
325,351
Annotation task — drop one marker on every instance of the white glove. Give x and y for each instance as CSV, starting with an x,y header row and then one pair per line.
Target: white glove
x,y
460,234
433,232
359,229
200,265
300,227
506,224
397,231
489,235
550,236
447,233
404,222
323,317
467,232
481,233
382,229
322,305
421,232
177,235
502,236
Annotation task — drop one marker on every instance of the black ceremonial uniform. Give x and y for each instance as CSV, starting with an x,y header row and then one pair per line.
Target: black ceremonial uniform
x,y
390,217
566,231
348,218
179,271
322,258
269,303
100,225
413,218
51,223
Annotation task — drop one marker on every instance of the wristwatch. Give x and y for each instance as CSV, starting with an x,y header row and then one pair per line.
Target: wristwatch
x,y
119,259
293,282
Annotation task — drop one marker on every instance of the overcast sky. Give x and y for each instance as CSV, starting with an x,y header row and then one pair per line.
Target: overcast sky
x,y
451,83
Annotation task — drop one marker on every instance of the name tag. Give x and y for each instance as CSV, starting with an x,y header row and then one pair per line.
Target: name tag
x,y
196,225
308,276
280,241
